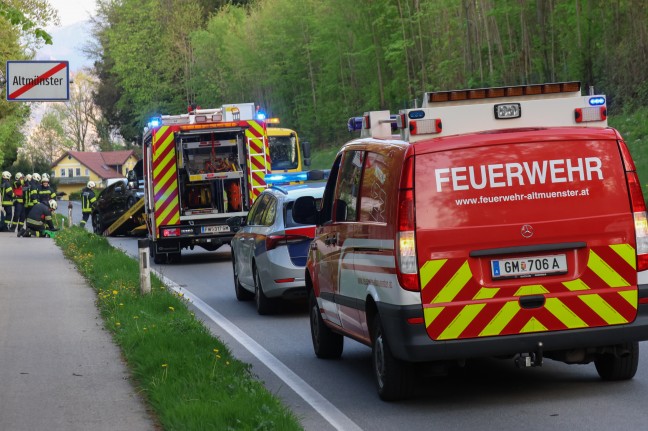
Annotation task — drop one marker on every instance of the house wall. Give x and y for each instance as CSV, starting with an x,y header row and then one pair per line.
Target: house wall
x,y
69,185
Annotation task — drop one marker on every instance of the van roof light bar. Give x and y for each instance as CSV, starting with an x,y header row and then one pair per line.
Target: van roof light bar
x,y
432,98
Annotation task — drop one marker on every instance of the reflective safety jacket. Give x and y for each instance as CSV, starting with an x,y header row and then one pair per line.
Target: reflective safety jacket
x,y
18,192
40,216
88,199
7,193
46,193
26,188
31,197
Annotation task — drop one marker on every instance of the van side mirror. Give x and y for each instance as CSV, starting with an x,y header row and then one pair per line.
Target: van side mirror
x,y
304,210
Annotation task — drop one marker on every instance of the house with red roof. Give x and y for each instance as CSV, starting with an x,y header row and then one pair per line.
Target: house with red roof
x,y
74,169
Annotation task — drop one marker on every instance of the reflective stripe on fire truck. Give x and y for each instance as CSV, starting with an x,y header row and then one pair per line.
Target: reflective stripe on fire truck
x,y
258,159
456,306
165,177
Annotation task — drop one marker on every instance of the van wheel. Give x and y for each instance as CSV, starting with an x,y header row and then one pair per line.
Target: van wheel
x,y
264,305
326,343
620,364
393,376
241,293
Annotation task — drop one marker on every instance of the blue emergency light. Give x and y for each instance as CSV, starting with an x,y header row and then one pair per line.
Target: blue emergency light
x,y
286,177
155,122
354,123
597,101
261,115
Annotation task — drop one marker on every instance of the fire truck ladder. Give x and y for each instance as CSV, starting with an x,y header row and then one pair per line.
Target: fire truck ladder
x,y
257,165
135,212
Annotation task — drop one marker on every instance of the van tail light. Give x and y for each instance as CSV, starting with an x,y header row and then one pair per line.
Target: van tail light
x,y
406,238
638,205
273,241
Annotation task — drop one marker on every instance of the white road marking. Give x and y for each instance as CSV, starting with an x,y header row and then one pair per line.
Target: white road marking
x,y
320,404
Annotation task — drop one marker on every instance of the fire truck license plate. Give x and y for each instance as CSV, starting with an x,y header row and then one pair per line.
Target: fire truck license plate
x,y
529,266
215,229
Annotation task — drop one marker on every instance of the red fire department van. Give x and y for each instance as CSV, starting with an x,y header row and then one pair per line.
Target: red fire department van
x,y
502,222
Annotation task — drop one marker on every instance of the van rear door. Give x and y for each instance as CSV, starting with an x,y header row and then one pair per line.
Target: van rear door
x,y
524,231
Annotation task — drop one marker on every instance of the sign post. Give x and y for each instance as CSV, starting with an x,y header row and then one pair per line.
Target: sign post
x,y
37,81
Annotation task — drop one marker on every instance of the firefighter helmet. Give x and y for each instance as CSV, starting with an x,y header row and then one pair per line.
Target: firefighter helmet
x,y
6,175
28,177
91,184
52,204
45,178
36,176
19,175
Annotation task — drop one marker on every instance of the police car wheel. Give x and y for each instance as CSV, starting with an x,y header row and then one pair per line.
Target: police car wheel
x,y
619,365
241,293
264,305
393,376
326,343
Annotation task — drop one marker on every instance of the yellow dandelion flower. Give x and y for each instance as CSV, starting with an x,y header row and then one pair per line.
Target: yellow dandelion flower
x,y
226,362
218,356
121,304
115,292
117,323
215,350
171,308
164,365
135,317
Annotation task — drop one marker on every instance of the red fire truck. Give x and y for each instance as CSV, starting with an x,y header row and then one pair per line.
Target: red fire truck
x,y
199,169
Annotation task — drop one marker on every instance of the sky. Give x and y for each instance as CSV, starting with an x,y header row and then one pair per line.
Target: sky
x,y
73,33
73,11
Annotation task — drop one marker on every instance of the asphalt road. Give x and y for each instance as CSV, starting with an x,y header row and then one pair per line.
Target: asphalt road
x,y
487,394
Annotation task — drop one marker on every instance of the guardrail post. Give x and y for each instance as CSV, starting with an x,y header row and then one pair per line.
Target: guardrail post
x,y
69,214
145,269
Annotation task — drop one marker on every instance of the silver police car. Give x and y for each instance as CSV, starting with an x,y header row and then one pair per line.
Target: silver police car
x,y
270,249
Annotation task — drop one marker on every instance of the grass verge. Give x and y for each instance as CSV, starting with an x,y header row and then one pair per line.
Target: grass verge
x,y
187,376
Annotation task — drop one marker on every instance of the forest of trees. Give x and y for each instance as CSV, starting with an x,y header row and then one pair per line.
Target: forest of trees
x,y
315,63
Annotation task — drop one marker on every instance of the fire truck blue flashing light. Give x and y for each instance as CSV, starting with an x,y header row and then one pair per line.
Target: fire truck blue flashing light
x,y
597,101
261,115
155,122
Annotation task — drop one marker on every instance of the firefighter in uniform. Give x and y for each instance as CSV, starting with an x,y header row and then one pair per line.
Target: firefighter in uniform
x,y
39,218
6,193
46,193
27,193
19,202
88,198
35,188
